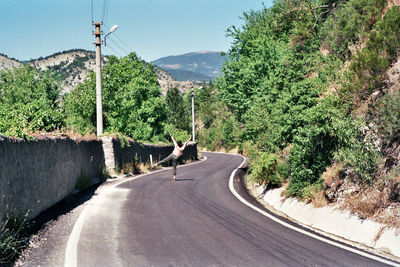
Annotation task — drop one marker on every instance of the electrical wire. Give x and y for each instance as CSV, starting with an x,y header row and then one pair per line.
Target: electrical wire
x,y
92,11
115,51
117,45
122,41
106,11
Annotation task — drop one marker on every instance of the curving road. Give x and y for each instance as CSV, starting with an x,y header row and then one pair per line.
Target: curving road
x,y
195,221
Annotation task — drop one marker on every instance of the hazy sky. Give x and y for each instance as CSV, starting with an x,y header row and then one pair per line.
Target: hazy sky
x,y
152,28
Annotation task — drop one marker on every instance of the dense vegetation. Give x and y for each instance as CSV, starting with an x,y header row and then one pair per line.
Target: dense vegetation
x,y
29,102
132,102
296,92
305,88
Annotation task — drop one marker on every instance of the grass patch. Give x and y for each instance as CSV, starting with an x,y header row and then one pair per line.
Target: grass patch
x,y
13,238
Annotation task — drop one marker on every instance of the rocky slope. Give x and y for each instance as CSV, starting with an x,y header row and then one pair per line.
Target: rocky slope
x,y
8,63
73,66
167,82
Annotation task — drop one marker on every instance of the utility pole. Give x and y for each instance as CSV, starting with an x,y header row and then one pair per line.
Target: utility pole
x,y
99,98
193,128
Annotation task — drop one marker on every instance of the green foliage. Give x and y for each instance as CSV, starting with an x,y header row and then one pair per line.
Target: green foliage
x,y
178,134
263,167
288,84
132,102
313,147
387,117
368,68
29,102
350,23
178,113
223,130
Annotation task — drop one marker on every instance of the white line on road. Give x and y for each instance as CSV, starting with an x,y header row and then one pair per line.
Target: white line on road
x,y
236,194
71,251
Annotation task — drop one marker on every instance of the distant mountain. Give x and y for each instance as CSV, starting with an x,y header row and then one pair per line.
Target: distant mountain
x,y
72,67
197,66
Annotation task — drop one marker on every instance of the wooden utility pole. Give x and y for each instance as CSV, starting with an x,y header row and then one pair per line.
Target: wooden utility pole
x,y
99,99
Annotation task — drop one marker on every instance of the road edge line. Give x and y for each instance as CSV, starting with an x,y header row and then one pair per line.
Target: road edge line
x,y
273,218
71,254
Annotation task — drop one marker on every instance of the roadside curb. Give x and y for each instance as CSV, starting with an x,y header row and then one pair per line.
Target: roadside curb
x,y
364,233
315,233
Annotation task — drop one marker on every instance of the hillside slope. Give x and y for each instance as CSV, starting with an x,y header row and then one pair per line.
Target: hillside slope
x,y
8,63
184,67
72,67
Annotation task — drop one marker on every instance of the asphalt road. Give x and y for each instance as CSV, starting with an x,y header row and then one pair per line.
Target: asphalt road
x,y
153,220
195,221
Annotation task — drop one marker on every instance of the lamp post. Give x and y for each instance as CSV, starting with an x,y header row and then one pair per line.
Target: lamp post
x,y
99,98
193,128
113,28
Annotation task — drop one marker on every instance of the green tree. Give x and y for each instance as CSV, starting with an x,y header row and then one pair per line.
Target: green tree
x,y
132,101
29,102
178,113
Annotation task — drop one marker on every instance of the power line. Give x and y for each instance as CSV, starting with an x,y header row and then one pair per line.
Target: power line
x,y
115,51
106,12
122,41
116,44
105,6
92,11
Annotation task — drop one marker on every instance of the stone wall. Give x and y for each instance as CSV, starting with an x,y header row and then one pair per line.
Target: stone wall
x,y
118,154
35,175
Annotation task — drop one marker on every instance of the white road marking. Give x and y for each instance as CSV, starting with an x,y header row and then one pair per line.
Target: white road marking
x,y
236,194
71,251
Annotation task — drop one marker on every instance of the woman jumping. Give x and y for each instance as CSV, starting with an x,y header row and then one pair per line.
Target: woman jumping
x,y
178,151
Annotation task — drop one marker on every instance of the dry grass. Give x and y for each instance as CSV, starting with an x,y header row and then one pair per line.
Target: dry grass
x,y
373,202
143,167
64,135
319,200
332,175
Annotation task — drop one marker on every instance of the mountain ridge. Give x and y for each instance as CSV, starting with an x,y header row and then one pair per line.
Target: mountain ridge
x,y
206,64
72,67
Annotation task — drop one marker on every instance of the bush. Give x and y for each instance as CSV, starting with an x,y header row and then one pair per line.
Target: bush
x,y
313,148
387,117
29,102
12,237
263,167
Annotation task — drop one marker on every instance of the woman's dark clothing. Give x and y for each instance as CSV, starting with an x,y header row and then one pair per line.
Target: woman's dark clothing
x,y
174,159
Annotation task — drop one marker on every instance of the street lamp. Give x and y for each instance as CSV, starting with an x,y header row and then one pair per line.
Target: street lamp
x,y
193,128
113,28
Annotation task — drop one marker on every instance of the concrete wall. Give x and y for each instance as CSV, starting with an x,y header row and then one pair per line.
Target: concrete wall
x,y
34,175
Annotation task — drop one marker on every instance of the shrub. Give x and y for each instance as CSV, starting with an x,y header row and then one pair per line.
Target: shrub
x,y
263,167
12,237
29,102
387,116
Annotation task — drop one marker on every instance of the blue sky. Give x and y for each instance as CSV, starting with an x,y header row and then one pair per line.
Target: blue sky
x,y
152,28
